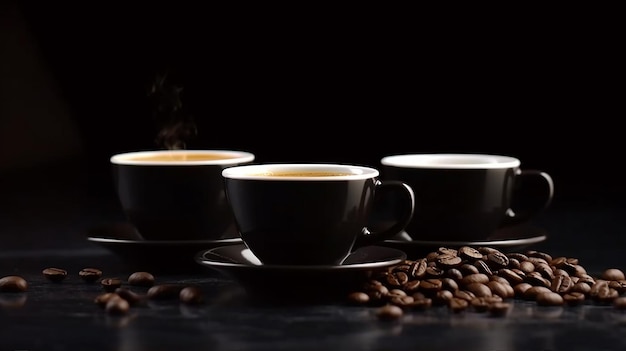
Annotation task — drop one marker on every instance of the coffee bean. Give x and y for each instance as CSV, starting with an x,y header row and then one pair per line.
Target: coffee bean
x,y
514,263
607,295
90,275
561,284
117,306
512,277
102,299
457,305
132,297
468,269
479,304
431,286
192,295
442,297
418,269
421,302
499,309
464,295
526,266
389,312
599,285
396,292
13,283
164,291
518,256
613,274
448,261
404,302
434,272
482,267
479,289
581,288
497,260
574,298
397,279
475,278
447,251
110,284
454,273
619,285
534,291
549,299
470,253
55,274
411,286
546,257
501,289
358,298
141,279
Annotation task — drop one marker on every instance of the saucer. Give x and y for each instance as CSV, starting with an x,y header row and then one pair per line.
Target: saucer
x,y
285,283
152,255
509,239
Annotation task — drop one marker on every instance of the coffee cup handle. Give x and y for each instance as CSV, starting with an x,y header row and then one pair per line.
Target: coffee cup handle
x,y
406,195
533,195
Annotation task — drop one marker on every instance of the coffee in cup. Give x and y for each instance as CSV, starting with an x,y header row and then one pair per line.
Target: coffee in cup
x,y
310,214
176,194
466,197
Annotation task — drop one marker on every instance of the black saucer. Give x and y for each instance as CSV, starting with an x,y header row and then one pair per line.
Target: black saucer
x,y
509,239
302,284
172,256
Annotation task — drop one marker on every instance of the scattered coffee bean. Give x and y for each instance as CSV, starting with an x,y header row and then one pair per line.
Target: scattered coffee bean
x,y
102,299
141,279
13,283
110,284
389,312
358,298
90,275
191,295
117,306
164,291
55,274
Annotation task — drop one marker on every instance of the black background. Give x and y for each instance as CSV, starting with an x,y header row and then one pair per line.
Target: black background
x,y
300,84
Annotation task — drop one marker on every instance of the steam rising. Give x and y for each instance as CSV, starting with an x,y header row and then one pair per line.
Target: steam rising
x,y
175,128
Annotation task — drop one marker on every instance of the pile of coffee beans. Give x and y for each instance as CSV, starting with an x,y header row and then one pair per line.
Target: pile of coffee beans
x,y
484,279
117,296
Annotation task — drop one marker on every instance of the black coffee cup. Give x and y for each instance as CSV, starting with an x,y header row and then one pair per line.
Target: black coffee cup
x,y
176,194
466,197
310,214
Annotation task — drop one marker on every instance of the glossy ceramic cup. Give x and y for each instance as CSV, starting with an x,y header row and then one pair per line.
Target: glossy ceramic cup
x,y
176,194
310,214
465,197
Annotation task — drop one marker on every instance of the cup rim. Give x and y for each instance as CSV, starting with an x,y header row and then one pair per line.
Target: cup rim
x,y
451,161
263,171
125,158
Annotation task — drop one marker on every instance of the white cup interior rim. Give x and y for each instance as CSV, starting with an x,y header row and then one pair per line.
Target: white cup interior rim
x,y
451,161
129,158
267,171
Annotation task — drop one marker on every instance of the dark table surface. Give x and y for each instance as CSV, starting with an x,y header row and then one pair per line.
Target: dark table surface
x,y
46,215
